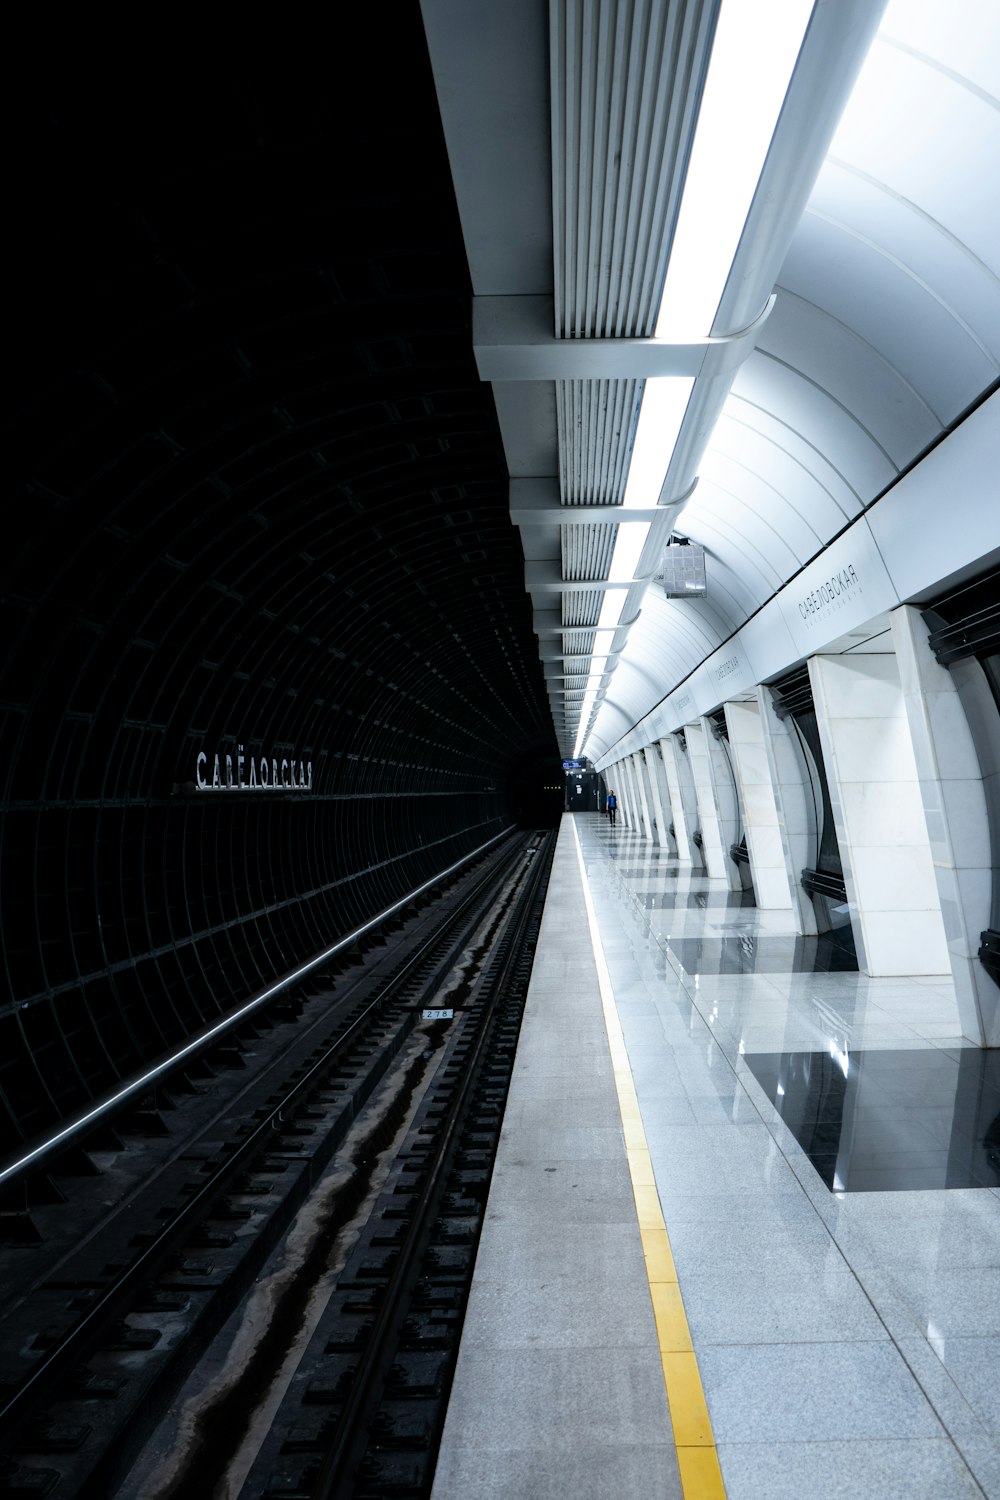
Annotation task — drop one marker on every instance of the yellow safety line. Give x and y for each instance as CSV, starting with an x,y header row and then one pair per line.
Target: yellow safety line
x,y
697,1459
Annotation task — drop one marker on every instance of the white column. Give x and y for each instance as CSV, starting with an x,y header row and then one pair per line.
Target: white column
x,y
716,858
640,787
682,832
955,809
631,800
878,812
617,785
654,769
634,791
795,801
689,796
760,810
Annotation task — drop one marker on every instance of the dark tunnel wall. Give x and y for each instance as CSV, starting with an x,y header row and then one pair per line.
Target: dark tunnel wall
x,y
257,505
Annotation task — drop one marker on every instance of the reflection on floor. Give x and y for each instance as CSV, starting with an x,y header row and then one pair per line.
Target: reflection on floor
x,y
885,1121
703,899
698,899
848,1341
750,954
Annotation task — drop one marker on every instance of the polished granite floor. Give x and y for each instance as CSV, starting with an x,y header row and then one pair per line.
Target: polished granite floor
x,y
744,951
697,899
847,1327
885,1121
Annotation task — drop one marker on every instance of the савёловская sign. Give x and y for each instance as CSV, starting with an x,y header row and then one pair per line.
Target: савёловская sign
x,y
252,773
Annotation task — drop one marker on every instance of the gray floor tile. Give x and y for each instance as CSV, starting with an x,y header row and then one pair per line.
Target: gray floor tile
x,y
960,1301
798,1251
602,1307
586,1473
922,1469
786,1393
950,1235
558,1087
580,1111
544,1251
756,1308
559,1399
982,1454
687,1176
973,1364
953,1397
733,1104
595,1191
567,1143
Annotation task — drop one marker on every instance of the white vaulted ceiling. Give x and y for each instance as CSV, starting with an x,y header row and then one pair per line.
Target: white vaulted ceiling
x,y
882,246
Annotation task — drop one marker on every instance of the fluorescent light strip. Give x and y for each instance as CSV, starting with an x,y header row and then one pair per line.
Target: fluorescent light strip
x,y
628,549
612,609
138,1085
664,402
753,57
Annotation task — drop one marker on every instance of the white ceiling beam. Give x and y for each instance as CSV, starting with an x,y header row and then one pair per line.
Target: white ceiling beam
x,y
545,576
536,502
837,40
514,339
548,623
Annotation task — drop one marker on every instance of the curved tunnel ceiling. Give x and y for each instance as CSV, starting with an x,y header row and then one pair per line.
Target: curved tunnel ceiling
x,y
259,509
886,329
879,214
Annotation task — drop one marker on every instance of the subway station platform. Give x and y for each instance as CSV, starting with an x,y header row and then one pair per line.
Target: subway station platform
x,y
743,1235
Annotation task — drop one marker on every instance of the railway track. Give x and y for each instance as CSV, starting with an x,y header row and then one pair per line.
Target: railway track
x,y
98,1344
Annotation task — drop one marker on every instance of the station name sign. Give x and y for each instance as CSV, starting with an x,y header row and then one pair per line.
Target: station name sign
x,y
845,588
252,773
829,592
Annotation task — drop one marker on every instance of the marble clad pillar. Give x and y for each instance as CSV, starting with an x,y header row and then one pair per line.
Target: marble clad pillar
x,y
631,796
661,795
651,762
879,814
767,856
717,860
639,772
795,803
678,813
689,796
709,786
955,811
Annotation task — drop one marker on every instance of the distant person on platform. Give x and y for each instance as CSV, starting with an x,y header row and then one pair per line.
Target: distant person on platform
x,y
612,807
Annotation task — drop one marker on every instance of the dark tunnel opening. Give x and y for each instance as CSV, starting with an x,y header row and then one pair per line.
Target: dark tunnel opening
x,y
258,510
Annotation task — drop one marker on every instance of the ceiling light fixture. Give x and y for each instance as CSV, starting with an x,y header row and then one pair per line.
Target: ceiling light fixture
x,y
753,57
749,71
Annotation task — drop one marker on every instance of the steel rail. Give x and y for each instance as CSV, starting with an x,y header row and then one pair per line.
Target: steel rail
x,y
352,1427
80,1124
83,1336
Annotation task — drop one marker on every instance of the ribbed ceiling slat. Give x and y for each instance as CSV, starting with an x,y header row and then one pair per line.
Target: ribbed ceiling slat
x,y
596,421
586,551
626,77
581,608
